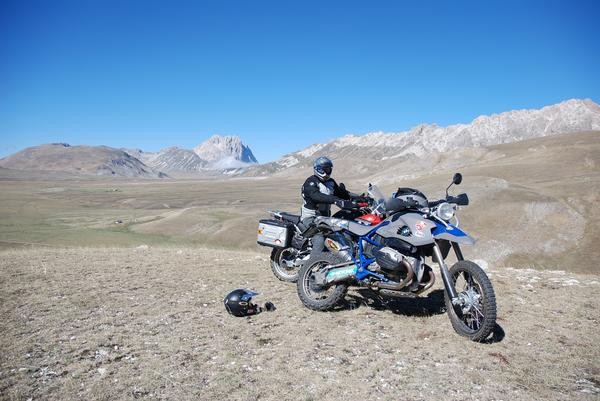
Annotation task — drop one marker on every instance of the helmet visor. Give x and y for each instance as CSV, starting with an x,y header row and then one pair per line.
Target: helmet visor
x,y
324,170
248,294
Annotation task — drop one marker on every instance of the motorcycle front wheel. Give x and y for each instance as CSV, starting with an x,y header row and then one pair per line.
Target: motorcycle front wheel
x,y
475,314
282,264
313,295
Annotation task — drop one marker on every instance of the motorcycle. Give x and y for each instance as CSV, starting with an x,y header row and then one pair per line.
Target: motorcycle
x,y
290,239
390,257
288,255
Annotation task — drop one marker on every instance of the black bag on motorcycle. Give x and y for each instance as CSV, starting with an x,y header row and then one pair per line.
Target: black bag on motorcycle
x,y
274,233
406,198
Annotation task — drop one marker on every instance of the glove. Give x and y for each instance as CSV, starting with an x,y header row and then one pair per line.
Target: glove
x,y
345,204
362,199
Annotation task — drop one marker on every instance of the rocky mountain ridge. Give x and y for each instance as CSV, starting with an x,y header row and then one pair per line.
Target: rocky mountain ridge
x,y
219,155
357,154
573,115
216,154
225,152
87,160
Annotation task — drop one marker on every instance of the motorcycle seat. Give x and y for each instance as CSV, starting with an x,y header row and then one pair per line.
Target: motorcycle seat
x,y
292,218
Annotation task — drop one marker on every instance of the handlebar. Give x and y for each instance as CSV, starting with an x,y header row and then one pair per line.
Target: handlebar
x,y
461,199
435,203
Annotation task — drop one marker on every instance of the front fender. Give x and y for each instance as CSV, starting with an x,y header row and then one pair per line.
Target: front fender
x,y
452,234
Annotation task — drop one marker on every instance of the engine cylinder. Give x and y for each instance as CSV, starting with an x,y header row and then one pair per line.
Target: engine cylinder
x,y
389,259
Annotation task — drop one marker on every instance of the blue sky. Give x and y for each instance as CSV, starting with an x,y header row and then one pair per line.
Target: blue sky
x,y
280,74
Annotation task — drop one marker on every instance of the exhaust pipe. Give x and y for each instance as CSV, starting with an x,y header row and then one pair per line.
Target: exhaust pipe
x,y
335,273
429,284
339,274
394,286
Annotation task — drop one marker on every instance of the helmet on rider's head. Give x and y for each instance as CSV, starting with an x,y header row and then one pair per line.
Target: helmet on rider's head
x,y
238,303
323,167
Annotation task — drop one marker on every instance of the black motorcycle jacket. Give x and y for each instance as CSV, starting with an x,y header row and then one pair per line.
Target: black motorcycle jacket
x,y
318,196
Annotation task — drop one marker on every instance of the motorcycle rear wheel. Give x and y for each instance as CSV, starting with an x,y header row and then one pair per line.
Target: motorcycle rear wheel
x,y
313,295
475,318
280,269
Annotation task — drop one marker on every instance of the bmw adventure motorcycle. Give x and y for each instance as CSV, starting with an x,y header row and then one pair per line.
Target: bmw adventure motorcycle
x,y
290,240
390,257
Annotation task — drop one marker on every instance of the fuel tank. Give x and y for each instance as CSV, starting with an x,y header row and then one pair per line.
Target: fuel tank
x,y
410,227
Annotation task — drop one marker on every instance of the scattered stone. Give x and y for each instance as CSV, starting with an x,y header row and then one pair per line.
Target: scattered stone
x,y
588,386
101,354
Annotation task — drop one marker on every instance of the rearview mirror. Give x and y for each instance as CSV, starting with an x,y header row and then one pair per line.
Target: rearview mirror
x,y
457,179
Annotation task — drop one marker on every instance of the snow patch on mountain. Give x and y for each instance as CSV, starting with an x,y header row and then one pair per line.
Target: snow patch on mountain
x,y
228,162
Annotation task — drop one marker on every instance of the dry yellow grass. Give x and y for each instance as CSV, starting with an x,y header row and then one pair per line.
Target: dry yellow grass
x,y
131,323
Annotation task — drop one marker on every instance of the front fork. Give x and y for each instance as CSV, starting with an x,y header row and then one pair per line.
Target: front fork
x,y
448,284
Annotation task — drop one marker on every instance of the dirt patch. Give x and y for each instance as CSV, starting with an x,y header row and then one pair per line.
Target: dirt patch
x,y
109,324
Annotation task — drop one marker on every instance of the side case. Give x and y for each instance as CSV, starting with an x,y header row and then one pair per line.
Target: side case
x,y
274,233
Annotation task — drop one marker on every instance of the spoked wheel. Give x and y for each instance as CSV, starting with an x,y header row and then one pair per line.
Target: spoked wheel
x,y
474,316
284,264
312,294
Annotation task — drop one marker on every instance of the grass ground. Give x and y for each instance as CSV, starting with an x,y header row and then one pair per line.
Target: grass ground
x,y
533,204
148,323
127,212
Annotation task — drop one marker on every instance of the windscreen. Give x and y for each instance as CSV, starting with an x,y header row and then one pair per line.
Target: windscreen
x,y
379,197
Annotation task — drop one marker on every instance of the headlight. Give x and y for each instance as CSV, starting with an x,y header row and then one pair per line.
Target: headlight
x,y
445,211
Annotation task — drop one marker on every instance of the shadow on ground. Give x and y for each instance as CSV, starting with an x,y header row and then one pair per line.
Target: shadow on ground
x,y
423,306
429,305
496,336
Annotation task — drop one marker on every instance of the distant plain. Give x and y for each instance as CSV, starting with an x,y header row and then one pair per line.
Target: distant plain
x,y
533,203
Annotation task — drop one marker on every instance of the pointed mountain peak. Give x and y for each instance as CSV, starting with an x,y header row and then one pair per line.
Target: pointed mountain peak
x,y
225,152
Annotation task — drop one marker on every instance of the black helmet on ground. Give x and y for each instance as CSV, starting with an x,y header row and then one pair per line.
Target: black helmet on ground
x,y
238,303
